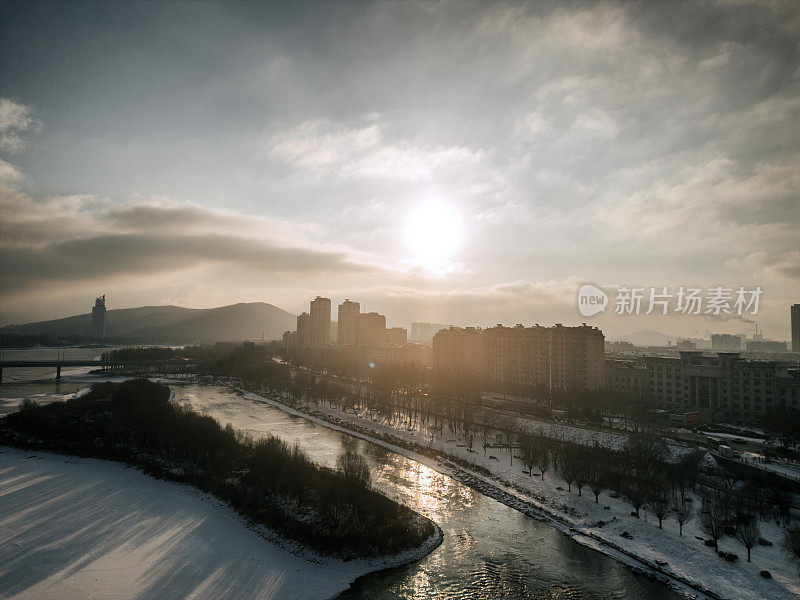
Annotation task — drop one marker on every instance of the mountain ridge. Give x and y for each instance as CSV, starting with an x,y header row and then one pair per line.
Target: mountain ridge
x,y
173,324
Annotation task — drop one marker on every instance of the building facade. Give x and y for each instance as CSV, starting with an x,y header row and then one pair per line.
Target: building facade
x,y
371,329
397,336
626,379
517,355
458,350
302,337
99,318
571,358
721,386
348,323
320,323
577,356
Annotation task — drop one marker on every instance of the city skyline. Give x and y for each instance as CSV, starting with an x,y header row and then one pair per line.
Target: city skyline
x,y
349,312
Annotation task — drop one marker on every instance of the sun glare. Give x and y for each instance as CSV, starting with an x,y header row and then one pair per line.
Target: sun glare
x,y
434,233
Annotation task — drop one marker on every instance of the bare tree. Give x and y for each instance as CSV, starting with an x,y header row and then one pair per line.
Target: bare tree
x,y
469,436
597,480
748,533
791,541
635,492
781,499
684,472
581,475
566,464
488,421
528,449
596,471
660,500
712,520
683,514
730,478
542,456
354,467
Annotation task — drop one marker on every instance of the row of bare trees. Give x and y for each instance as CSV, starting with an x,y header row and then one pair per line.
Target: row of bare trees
x,y
723,514
641,472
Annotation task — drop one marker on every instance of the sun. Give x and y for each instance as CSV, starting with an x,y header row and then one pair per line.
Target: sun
x,y
434,233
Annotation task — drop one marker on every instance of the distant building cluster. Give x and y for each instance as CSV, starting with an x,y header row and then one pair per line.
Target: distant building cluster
x,y
679,378
360,335
766,346
725,342
570,358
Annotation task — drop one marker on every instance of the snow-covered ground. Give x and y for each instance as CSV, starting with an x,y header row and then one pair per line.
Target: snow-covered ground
x,y
587,436
685,558
75,528
784,469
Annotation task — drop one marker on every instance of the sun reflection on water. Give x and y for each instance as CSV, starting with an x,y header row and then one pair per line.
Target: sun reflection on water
x,y
419,486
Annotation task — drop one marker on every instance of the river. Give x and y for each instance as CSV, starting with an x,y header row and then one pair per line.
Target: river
x,y
490,551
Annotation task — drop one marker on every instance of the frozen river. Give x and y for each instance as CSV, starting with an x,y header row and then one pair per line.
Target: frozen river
x,y
489,549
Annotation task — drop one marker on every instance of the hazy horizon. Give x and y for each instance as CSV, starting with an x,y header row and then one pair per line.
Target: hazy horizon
x,y
455,162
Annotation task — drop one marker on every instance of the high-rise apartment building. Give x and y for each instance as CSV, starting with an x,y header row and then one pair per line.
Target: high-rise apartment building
x,y
320,323
517,355
303,334
577,356
458,351
99,318
795,311
349,312
560,357
371,329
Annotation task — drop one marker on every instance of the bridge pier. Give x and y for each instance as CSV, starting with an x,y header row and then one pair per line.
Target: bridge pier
x,y
1,375
58,372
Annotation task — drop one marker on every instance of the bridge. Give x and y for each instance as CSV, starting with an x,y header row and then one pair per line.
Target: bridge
x,y
125,366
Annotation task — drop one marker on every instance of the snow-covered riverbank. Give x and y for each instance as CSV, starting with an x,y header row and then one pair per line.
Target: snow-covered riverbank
x,y
85,528
683,561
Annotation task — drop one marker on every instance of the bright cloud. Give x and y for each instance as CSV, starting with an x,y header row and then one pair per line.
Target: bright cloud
x,y
616,143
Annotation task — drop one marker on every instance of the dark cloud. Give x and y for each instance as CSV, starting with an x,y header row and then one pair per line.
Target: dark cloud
x,y
58,243
124,254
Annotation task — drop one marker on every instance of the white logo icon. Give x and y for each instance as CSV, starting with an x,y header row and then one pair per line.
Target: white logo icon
x,y
591,300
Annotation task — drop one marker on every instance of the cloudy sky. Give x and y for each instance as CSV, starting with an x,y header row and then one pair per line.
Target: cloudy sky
x,y
470,163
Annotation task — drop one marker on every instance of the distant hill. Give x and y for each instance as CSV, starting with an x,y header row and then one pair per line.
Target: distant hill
x,y
173,324
646,337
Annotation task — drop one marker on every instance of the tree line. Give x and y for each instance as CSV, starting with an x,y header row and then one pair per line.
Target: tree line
x,y
265,480
642,472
